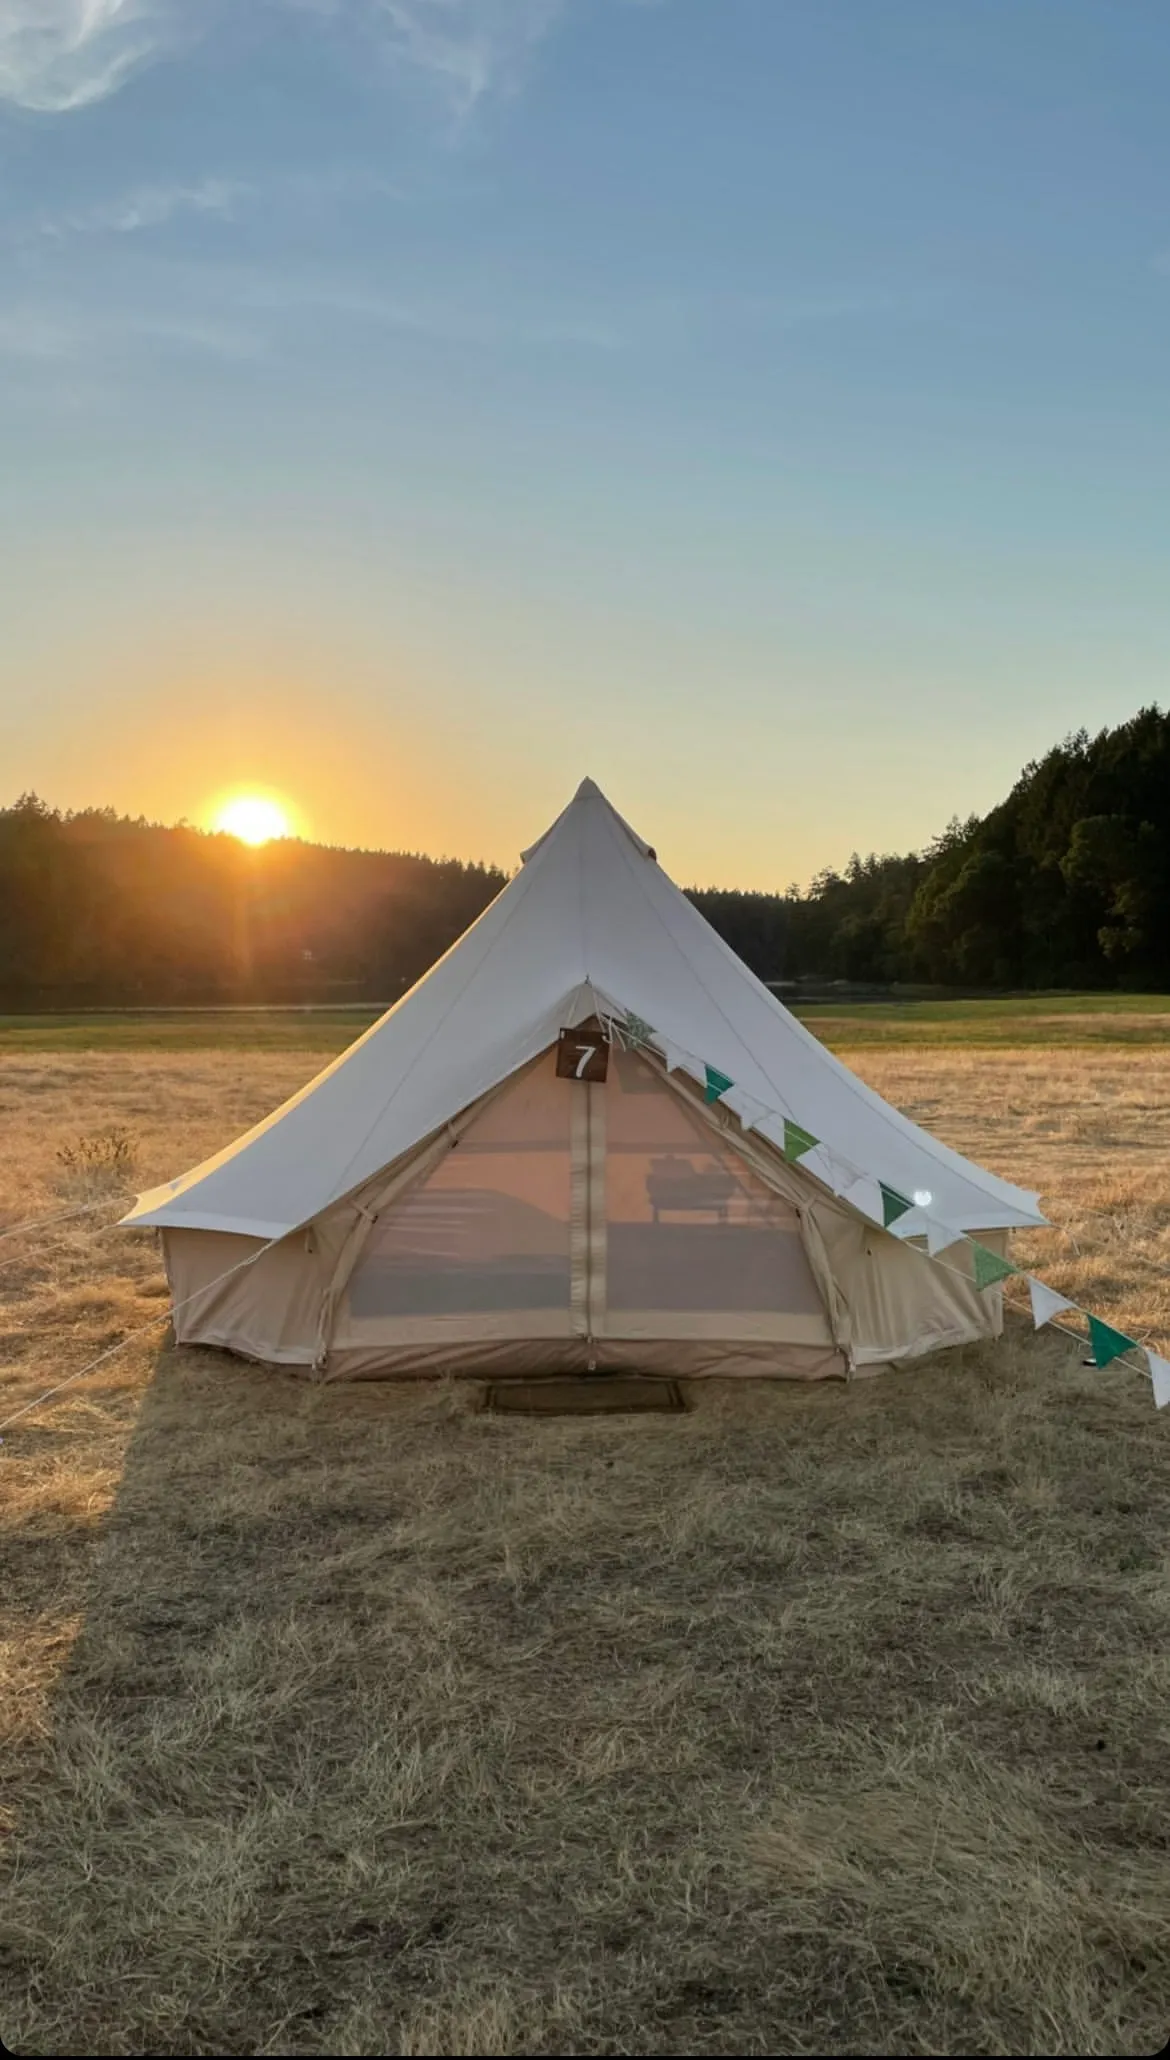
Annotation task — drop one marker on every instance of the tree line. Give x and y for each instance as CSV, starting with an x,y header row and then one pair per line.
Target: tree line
x,y
99,910
1065,884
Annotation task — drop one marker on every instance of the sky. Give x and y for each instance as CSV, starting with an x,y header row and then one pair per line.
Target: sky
x,y
413,406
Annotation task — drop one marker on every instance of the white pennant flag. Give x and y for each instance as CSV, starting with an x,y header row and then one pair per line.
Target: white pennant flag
x,y
1046,1303
834,1174
745,1106
865,1196
1160,1375
675,1058
823,1167
939,1238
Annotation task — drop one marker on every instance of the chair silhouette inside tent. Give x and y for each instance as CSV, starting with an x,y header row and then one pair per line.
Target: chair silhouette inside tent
x,y
674,1185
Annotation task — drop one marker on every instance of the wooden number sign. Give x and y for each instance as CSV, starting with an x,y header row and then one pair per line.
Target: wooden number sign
x,y
582,1055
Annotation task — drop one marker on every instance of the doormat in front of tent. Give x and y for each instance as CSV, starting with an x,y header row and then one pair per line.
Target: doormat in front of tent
x,y
601,1395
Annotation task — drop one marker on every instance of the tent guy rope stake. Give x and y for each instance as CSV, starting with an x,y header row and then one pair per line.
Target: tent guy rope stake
x,y
163,1316
65,1216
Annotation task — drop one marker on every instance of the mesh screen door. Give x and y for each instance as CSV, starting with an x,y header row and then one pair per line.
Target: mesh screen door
x,y
571,1208
481,1245
696,1244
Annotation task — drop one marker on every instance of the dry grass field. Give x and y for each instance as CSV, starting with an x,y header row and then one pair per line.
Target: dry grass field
x,y
351,1721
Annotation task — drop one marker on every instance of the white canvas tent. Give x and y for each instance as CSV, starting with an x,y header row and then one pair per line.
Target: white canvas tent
x,y
440,1198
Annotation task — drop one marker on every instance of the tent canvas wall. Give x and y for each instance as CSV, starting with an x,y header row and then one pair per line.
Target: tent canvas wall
x,y
442,1198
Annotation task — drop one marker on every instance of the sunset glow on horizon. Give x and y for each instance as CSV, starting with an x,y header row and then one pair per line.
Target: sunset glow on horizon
x,y
410,408
253,818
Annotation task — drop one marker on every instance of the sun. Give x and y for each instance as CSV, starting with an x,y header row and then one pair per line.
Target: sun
x,y
253,818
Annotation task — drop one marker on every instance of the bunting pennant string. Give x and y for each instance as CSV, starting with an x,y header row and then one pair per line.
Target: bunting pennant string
x,y
872,1197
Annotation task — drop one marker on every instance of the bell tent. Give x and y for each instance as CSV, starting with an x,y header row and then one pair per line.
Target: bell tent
x,y
589,1139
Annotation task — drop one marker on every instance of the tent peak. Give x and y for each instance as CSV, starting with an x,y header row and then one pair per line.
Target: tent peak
x,y
587,792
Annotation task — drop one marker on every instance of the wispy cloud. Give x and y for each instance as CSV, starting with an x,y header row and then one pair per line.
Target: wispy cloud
x,y
459,319
56,336
467,48
148,207
214,198
236,315
58,55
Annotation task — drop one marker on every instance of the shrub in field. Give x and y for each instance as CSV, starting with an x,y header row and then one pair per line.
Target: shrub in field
x,y
99,1161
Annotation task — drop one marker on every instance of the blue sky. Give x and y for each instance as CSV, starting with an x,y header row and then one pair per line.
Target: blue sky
x,y
412,405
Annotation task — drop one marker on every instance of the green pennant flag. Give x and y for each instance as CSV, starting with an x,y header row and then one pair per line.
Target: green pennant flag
x,y
988,1265
893,1204
637,1033
717,1084
1107,1343
797,1141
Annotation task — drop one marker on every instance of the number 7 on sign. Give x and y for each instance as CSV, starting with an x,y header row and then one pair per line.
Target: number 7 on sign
x,y
582,1055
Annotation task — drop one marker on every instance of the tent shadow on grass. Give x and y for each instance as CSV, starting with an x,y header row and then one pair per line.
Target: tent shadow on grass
x,y
813,1719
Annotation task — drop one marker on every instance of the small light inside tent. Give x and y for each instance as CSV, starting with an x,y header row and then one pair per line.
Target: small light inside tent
x,y
922,1198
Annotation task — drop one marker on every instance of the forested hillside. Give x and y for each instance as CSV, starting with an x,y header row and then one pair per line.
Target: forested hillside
x,y
99,910
1065,884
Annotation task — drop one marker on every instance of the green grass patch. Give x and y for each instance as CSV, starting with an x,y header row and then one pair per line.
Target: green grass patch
x,y
325,1030
1038,1019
